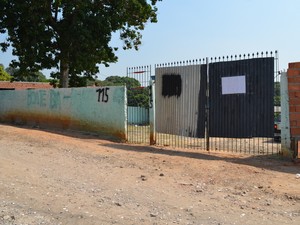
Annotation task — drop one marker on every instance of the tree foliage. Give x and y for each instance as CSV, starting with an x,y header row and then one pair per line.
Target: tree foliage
x,y
73,36
4,76
120,81
277,94
138,97
27,76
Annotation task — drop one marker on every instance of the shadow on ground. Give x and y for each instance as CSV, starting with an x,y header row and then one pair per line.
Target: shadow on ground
x,y
268,162
68,132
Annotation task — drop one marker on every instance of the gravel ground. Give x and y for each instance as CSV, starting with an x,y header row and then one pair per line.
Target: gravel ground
x,y
59,177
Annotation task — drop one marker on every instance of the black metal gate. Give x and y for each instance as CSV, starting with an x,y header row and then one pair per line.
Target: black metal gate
x,y
224,103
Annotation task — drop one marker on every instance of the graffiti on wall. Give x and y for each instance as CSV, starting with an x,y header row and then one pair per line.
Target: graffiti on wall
x,y
171,85
55,101
39,98
102,94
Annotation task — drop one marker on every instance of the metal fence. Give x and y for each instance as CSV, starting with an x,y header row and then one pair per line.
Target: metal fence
x,y
138,98
217,104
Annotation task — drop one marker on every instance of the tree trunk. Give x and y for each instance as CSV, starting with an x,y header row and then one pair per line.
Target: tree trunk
x,y
64,73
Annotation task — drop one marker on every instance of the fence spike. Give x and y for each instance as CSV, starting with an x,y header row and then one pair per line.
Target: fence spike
x,y
262,54
271,53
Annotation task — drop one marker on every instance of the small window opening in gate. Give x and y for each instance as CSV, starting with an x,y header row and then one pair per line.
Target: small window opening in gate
x,y
171,85
234,85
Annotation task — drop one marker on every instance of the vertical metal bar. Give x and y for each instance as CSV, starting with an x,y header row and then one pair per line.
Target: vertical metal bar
x,y
279,147
207,105
127,114
152,111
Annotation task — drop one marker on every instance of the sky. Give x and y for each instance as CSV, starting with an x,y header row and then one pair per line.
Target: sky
x,y
194,29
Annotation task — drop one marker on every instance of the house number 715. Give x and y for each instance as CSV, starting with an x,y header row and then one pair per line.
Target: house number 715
x,y
102,94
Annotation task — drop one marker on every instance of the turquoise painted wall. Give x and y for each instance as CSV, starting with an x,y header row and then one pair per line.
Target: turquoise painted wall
x,y
100,110
138,115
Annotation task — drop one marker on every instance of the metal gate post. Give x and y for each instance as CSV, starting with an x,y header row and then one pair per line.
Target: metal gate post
x,y
152,113
207,105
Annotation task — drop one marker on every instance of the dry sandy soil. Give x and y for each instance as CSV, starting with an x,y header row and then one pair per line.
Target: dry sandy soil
x,y
75,178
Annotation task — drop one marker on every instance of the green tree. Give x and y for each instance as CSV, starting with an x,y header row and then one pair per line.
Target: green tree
x,y
277,94
81,81
4,76
18,75
73,36
120,81
138,96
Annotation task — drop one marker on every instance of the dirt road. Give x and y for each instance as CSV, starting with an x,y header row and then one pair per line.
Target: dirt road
x,y
72,178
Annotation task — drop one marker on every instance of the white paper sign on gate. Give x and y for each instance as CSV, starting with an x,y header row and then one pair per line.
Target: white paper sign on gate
x,y
234,85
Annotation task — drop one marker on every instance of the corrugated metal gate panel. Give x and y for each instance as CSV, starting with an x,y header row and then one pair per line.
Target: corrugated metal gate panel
x,y
177,100
242,115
